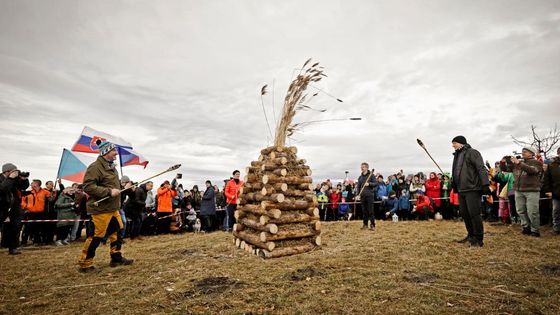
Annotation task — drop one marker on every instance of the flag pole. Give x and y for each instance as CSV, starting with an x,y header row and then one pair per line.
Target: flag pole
x,y
58,171
120,159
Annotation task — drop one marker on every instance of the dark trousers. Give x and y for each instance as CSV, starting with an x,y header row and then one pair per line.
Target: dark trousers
x,y
62,232
49,229
10,230
367,208
470,206
230,219
164,224
35,230
207,222
512,210
135,226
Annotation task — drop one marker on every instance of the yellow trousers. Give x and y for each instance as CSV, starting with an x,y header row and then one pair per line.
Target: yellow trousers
x,y
104,225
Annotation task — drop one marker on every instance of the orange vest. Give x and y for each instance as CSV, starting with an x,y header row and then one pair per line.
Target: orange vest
x,y
164,199
35,202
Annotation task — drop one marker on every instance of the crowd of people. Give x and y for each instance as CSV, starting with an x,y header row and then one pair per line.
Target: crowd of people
x,y
519,191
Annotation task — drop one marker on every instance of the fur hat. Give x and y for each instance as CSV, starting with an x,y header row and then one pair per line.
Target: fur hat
x,y
125,179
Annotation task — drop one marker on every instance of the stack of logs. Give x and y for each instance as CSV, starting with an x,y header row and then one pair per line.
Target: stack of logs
x,y
277,211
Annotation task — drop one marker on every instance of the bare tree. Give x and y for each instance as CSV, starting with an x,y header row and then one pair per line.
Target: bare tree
x,y
543,143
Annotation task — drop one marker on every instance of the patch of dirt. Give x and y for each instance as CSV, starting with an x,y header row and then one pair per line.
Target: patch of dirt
x,y
420,277
304,273
212,285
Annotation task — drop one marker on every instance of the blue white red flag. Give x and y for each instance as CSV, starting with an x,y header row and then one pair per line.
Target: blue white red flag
x,y
87,141
129,157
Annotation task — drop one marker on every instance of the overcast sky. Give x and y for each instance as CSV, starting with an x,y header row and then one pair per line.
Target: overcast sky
x,y
181,80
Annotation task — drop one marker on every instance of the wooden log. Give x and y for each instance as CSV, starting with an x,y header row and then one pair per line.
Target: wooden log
x,y
288,217
280,172
256,163
242,245
270,228
288,234
286,251
254,240
238,227
279,161
275,188
237,242
296,205
274,155
253,170
292,150
291,180
261,197
267,151
307,186
298,172
251,178
262,158
257,210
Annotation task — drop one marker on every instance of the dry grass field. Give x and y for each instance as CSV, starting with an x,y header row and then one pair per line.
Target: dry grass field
x,y
402,268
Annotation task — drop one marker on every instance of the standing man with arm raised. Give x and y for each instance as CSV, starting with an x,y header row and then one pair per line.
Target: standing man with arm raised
x,y
102,180
367,186
470,180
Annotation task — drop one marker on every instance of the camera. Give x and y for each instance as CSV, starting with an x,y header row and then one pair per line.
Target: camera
x,y
23,174
179,175
507,165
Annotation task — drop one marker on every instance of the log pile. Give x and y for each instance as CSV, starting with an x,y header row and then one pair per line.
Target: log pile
x,y
277,211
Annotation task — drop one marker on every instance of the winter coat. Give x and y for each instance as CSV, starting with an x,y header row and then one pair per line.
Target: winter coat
x,y
137,205
506,178
36,201
208,204
415,187
102,176
10,194
382,190
343,207
445,188
164,201
424,201
391,205
335,199
368,190
552,179
528,175
232,191
150,201
404,202
220,199
65,210
433,187
469,172
323,200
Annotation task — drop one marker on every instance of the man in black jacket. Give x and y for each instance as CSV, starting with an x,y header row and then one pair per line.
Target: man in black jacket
x,y
11,186
137,207
470,180
367,186
551,188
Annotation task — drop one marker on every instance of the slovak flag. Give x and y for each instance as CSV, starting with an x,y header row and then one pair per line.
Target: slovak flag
x,y
87,141
129,157
73,166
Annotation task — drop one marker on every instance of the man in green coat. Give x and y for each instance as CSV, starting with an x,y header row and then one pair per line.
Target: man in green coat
x,y
100,181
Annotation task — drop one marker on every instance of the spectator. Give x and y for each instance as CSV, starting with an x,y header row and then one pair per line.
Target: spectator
x,y
446,207
366,188
432,188
12,183
527,184
165,195
208,208
390,205
416,186
138,211
35,203
551,188
334,198
323,201
423,209
190,218
404,205
81,201
233,188
49,228
66,209
196,197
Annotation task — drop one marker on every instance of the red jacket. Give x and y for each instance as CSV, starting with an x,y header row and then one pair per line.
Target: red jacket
x,y
454,198
164,199
433,190
232,191
422,202
334,199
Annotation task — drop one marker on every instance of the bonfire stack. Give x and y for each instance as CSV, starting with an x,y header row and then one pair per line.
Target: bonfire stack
x,y
277,213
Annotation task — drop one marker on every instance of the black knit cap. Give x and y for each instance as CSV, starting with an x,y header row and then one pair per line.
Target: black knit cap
x,y
460,139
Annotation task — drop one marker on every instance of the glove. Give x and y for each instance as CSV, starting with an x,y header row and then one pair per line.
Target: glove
x,y
486,190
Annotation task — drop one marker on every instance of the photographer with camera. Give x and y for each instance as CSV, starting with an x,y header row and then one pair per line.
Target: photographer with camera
x,y
551,188
527,173
12,183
